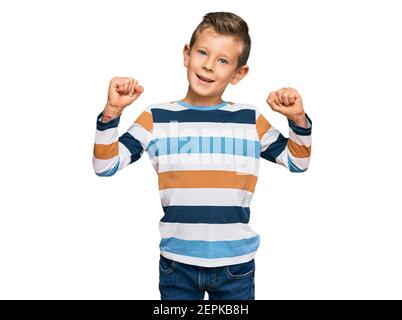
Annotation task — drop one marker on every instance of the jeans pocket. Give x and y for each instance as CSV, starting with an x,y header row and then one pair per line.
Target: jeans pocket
x,y
241,270
166,265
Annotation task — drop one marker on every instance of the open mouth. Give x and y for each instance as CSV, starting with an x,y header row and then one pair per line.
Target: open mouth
x,y
204,79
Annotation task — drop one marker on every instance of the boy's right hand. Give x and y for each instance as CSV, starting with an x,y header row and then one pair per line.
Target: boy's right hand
x,y
122,92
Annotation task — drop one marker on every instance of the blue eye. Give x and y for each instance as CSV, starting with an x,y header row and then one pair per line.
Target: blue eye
x,y
202,52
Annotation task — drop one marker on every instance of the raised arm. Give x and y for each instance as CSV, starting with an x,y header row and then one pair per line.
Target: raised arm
x,y
111,152
293,152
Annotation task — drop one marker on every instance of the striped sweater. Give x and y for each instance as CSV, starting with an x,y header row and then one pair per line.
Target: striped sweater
x,y
207,161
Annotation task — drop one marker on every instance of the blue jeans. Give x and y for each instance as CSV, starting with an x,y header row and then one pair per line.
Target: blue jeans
x,y
179,281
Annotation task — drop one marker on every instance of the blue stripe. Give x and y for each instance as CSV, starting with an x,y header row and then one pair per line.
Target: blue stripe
x,y
293,167
190,115
109,172
300,130
275,149
133,145
224,145
103,126
202,108
210,249
206,214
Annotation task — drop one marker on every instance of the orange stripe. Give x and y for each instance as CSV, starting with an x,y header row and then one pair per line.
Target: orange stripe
x,y
297,150
145,120
106,151
262,125
207,179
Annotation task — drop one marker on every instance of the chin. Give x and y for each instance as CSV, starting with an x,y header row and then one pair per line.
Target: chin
x,y
200,92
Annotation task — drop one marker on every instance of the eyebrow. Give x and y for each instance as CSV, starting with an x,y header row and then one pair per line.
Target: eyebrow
x,y
223,54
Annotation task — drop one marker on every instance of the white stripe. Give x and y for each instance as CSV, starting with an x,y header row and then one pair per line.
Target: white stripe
x,y
207,161
101,165
268,138
107,136
302,163
237,107
206,231
282,159
205,196
168,106
302,140
257,114
205,129
203,262
177,107
141,134
125,156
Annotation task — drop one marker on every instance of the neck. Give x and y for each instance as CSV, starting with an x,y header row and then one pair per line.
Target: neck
x,y
197,100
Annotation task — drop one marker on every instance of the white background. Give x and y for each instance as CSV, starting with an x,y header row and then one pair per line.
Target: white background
x,y
333,232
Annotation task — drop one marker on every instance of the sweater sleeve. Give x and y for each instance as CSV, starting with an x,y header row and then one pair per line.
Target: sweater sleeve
x,y
112,153
293,152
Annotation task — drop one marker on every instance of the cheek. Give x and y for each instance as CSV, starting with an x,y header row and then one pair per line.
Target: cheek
x,y
194,58
224,77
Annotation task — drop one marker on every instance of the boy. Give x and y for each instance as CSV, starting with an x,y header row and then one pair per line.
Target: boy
x,y
206,153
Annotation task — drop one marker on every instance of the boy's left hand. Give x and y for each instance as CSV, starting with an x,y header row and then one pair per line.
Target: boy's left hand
x,y
287,101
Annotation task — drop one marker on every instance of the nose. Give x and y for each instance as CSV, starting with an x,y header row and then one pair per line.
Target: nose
x,y
208,65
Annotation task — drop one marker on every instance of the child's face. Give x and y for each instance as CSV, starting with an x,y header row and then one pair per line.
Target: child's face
x,y
215,57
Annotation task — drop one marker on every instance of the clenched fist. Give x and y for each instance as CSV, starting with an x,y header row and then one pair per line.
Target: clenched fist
x,y
288,102
122,92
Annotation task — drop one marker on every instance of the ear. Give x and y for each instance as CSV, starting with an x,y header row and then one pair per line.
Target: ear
x,y
186,54
239,74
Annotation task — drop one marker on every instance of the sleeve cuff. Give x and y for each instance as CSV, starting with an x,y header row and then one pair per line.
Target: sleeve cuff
x,y
300,130
103,126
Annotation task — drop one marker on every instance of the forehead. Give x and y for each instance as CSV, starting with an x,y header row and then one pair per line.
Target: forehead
x,y
224,44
